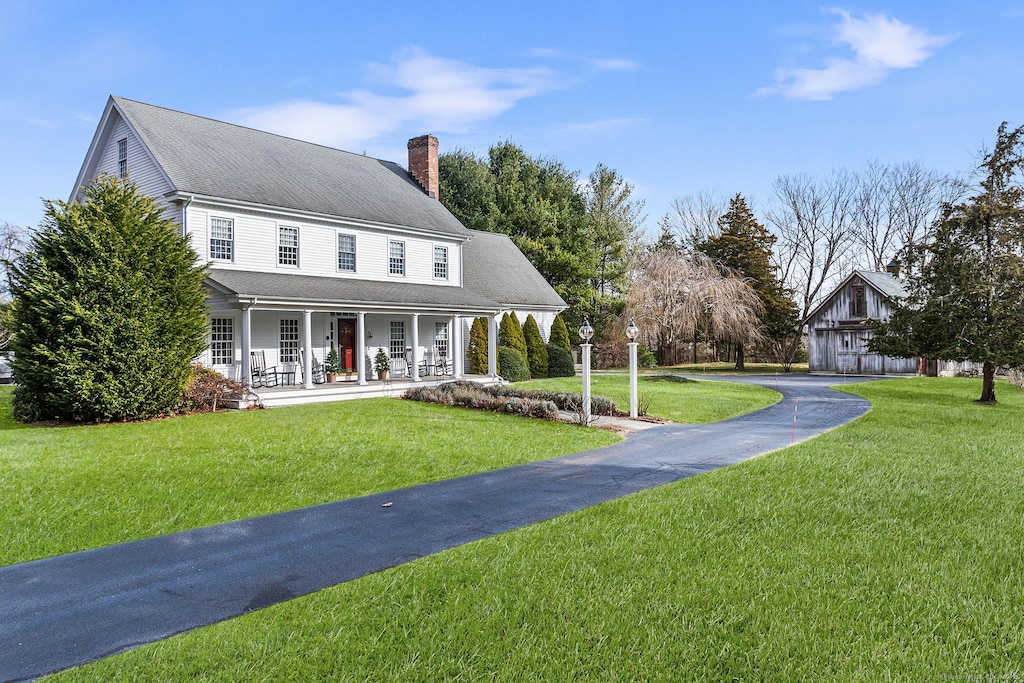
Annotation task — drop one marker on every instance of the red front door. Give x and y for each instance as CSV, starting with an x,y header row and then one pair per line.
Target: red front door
x,y
346,343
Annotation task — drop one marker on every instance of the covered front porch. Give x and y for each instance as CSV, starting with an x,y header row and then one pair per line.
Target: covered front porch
x,y
277,343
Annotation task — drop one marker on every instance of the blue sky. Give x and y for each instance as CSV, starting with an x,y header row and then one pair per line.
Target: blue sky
x,y
678,97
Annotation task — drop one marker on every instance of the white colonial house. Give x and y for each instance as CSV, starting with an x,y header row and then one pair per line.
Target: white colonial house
x,y
311,248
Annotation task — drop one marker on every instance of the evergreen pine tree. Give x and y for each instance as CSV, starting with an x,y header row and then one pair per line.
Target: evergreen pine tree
x,y
536,349
745,246
109,310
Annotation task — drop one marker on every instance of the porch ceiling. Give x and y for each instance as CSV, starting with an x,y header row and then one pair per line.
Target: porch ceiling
x,y
337,292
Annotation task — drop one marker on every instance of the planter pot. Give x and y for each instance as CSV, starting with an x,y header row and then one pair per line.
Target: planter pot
x,y
382,375
332,377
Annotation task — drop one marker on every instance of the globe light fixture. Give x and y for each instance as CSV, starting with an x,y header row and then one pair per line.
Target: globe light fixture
x,y
632,331
586,331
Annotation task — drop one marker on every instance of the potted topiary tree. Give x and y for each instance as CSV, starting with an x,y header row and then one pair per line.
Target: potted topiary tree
x,y
381,364
332,366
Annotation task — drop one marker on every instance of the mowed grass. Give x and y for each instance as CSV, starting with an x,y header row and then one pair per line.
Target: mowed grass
x,y
691,402
888,549
64,489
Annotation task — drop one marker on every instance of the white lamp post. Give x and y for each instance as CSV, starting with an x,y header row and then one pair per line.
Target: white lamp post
x,y
632,332
586,333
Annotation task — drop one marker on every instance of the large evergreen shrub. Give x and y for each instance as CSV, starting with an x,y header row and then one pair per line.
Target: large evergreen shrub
x,y
560,334
478,347
559,362
109,310
510,333
536,350
512,365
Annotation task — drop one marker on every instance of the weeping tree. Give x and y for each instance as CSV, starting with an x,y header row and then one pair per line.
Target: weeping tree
x,y
109,310
675,297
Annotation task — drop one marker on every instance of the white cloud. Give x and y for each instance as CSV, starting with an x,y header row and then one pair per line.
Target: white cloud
x,y
600,126
614,64
879,45
442,95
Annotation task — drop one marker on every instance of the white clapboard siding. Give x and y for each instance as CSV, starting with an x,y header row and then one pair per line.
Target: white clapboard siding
x,y
256,248
142,170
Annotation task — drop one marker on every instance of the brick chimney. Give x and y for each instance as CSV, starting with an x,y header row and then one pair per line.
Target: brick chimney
x,y
423,163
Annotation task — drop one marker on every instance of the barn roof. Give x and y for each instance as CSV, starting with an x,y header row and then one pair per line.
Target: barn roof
x,y
885,284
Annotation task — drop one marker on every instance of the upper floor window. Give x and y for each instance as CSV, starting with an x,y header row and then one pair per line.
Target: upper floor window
x,y
222,341
347,253
222,238
396,258
287,246
441,263
858,303
122,158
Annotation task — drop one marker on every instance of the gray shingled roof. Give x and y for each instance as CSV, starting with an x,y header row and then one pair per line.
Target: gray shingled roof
x,y
218,159
885,283
344,291
494,267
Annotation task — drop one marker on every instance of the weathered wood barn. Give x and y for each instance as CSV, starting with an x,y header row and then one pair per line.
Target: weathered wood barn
x,y
839,328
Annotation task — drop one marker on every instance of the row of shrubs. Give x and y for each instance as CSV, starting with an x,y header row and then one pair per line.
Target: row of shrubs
x,y
522,353
527,402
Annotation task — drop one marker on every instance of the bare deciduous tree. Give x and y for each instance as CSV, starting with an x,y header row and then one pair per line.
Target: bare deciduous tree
x,y
896,206
814,220
677,296
12,239
694,218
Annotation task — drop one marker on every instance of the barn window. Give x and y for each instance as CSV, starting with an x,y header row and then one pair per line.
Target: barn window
x,y
859,303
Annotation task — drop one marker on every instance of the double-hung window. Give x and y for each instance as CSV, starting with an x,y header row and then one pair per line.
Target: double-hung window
x,y
396,258
440,263
222,341
346,253
287,246
288,350
396,342
441,339
122,158
222,239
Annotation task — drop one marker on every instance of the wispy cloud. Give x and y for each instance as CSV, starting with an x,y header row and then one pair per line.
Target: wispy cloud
x,y
879,43
442,95
600,126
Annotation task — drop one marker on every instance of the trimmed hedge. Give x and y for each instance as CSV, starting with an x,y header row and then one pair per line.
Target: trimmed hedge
x,y
472,395
512,365
529,402
559,362
560,335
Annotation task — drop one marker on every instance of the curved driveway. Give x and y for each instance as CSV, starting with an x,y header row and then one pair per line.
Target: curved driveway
x,y
71,609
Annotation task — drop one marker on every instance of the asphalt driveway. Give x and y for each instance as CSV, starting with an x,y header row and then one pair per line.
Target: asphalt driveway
x,y
67,610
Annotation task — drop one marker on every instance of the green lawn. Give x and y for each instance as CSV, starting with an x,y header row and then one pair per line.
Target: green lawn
x,y
888,549
71,488
689,402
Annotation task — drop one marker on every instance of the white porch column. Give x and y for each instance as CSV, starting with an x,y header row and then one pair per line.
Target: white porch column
x,y
455,348
360,347
414,371
307,349
246,346
492,346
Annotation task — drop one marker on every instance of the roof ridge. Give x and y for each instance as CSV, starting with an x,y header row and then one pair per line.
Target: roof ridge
x,y
118,98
